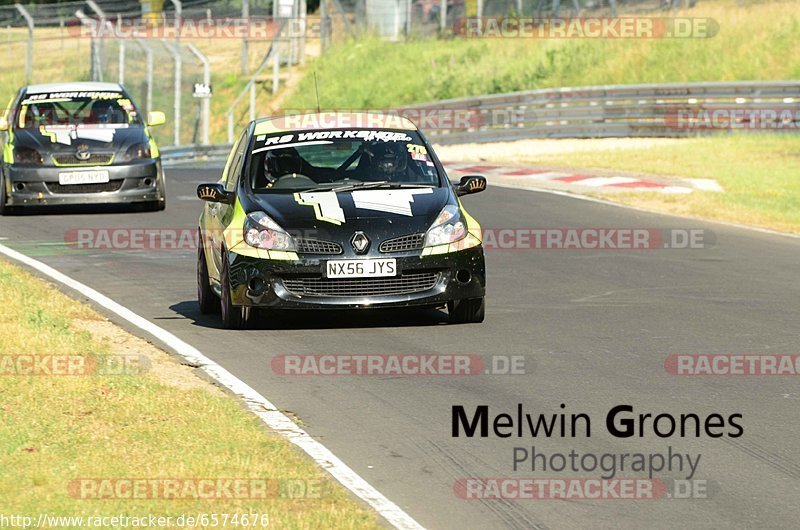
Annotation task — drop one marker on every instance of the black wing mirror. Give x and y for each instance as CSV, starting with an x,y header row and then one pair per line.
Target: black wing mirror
x,y
215,193
470,184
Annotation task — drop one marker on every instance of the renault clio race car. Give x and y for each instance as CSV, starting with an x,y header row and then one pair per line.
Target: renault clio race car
x,y
78,143
344,211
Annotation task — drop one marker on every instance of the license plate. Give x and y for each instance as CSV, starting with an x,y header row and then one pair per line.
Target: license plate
x,y
361,268
83,177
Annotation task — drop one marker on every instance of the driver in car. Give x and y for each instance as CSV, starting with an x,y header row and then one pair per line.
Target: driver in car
x,y
280,162
104,112
388,161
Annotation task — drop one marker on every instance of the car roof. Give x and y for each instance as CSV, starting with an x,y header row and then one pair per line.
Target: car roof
x,y
332,120
73,87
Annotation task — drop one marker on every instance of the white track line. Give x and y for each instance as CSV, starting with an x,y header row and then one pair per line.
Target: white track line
x,y
258,404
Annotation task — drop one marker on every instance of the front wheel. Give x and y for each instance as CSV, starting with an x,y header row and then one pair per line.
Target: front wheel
x,y
159,204
233,316
208,300
4,208
470,311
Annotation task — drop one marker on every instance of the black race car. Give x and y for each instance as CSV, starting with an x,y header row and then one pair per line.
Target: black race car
x,y
342,211
78,143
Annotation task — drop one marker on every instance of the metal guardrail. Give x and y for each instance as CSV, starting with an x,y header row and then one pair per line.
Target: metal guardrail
x,y
596,112
662,110
187,153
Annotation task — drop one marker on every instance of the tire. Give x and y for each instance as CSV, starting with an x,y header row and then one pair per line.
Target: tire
x,y
470,311
206,298
155,206
4,208
233,316
161,203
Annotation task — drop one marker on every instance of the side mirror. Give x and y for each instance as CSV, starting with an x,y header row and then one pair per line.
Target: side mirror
x,y
156,118
215,193
470,184
3,123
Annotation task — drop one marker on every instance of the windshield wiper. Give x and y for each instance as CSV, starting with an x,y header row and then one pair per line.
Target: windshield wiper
x,y
370,186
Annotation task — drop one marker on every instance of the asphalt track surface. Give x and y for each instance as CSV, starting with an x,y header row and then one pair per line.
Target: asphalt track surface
x,y
594,326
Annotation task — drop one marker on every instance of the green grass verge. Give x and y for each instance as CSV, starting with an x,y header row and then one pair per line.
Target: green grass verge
x,y
755,42
164,423
759,173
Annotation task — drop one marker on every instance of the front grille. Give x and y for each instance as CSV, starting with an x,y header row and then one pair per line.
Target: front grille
x,y
414,282
403,243
111,185
315,246
95,159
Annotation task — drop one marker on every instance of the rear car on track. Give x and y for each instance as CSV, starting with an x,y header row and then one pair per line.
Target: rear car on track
x,y
343,211
78,143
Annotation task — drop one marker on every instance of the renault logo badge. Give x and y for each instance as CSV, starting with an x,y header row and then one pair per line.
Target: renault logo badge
x,y
82,152
360,242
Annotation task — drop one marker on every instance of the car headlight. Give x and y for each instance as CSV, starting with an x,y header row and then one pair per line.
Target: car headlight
x,y
26,155
136,152
261,231
447,228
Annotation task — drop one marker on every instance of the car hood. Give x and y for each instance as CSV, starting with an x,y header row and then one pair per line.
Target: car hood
x,y
402,211
64,139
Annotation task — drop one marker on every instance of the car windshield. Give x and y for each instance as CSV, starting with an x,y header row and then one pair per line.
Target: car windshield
x,y
76,108
340,159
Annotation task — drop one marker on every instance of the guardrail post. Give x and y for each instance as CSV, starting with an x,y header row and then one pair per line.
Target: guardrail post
x,y
149,74
121,73
99,54
178,17
206,103
323,23
86,21
442,16
245,17
302,50
176,94
275,65
29,55
252,100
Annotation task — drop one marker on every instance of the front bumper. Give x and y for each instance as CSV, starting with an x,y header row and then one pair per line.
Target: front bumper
x,y
435,280
30,186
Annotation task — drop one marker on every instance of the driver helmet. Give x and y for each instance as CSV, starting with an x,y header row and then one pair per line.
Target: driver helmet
x,y
103,111
387,158
280,162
